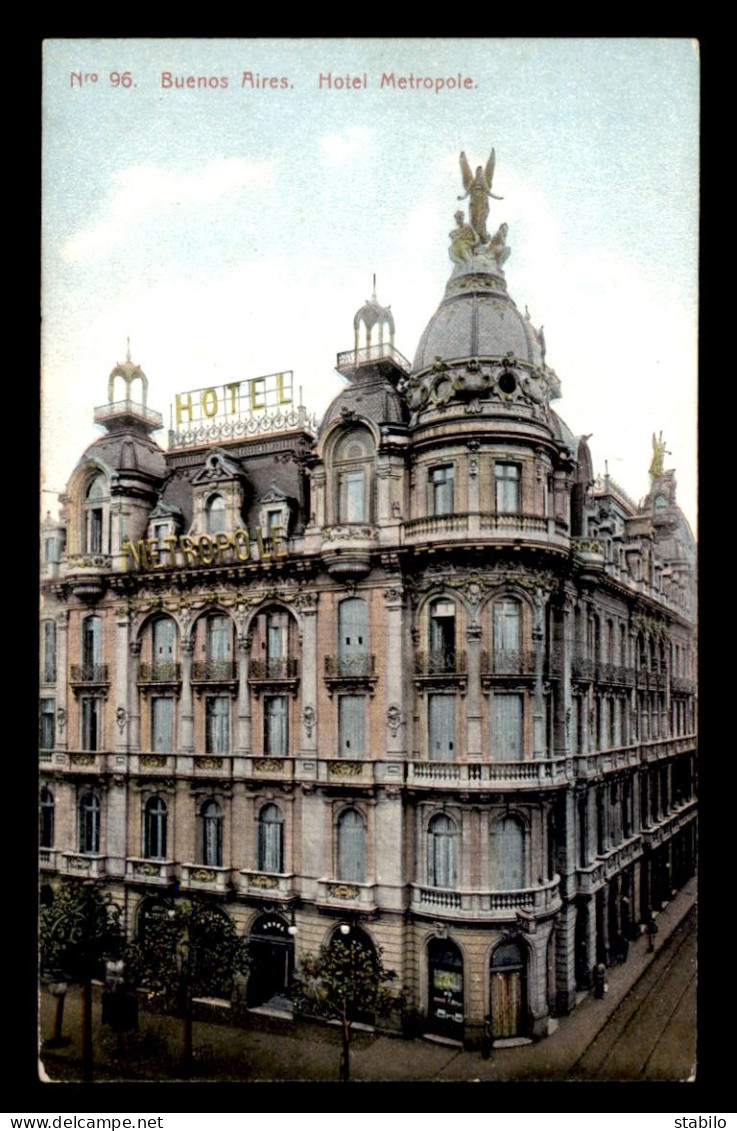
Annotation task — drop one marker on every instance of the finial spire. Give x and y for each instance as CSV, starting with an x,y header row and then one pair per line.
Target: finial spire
x,y
127,349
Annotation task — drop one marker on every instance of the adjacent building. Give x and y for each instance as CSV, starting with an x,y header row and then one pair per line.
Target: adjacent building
x,y
414,673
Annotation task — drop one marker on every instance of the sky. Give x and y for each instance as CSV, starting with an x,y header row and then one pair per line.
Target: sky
x,y
232,227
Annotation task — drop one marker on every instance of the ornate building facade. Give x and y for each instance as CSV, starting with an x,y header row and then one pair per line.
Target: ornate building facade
x,y
414,672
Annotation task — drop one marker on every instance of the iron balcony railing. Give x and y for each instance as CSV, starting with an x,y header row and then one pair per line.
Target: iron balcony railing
x,y
440,662
213,671
160,671
262,671
360,666
507,661
90,673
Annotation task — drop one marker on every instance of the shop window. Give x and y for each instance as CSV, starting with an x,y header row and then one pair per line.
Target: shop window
x,y
47,729
442,840
276,726
441,727
49,652
351,725
507,483
211,834
507,728
270,840
351,835
440,491
88,824
46,819
162,725
155,818
90,723
508,855
217,724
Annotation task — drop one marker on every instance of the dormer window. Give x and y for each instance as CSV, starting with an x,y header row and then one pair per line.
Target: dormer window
x,y
353,458
215,511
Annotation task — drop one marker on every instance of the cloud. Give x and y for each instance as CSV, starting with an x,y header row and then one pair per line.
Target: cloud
x,y
141,190
339,149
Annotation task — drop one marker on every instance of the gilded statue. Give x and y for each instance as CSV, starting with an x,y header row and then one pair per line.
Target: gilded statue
x,y
462,240
478,188
659,454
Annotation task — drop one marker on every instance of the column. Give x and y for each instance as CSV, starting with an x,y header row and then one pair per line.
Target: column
x,y
62,683
473,701
115,827
308,674
126,673
539,749
185,743
243,705
396,660
562,643
474,505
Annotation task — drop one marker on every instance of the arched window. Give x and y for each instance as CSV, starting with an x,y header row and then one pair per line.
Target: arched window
x,y
508,855
351,847
507,636
93,515
353,460
88,823
270,840
442,838
46,819
215,511
154,829
163,648
211,834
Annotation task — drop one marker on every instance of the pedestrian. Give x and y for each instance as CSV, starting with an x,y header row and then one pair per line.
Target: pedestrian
x,y
486,1039
601,985
622,948
651,930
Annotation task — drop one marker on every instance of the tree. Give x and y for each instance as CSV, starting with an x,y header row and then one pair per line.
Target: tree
x,y
345,981
188,948
78,930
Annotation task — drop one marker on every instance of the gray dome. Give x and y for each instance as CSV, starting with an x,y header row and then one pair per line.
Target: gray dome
x,y
129,452
477,319
377,401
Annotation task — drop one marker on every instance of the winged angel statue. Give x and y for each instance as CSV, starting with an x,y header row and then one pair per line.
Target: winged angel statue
x,y
478,188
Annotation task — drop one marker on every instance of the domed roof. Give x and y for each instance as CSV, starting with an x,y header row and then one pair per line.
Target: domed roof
x,y
376,401
478,319
126,452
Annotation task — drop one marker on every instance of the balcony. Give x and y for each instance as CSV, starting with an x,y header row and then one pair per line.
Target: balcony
x,y
279,675
608,864
205,877
505,662
89,677
380,356
47,859
83,866
488,905
350,673
156,763
213,765
159,873
344,895
441,668
681,685
346,550
497,529
212,674
162,675
485,776
616,674
268,885
582,668
270,768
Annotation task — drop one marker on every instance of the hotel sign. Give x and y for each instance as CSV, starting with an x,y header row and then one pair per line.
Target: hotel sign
x,y
238,399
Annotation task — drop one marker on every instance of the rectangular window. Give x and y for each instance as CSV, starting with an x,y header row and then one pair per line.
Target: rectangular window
x,y
218,638
351,725
354,491
90,724
276,726
49,646
440,491
50,552
94,531
441,727
506,728
91,642
46,736
507,479
162,725
217,738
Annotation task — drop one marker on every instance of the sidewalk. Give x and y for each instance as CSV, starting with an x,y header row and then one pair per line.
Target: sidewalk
x,y
271,1050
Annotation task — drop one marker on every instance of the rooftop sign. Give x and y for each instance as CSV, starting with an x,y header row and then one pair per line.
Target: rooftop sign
x,y
226,403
